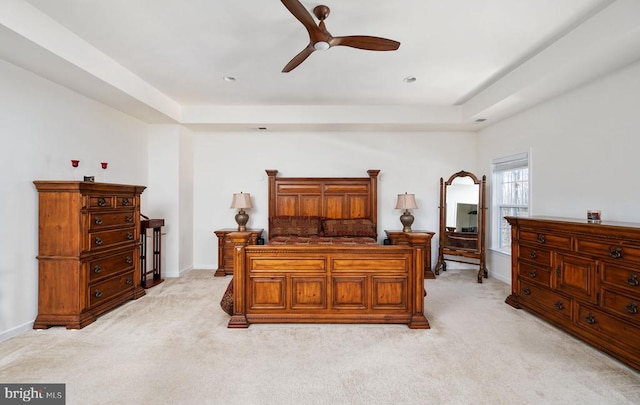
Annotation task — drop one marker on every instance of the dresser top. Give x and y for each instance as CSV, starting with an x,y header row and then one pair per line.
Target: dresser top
x,y
80,186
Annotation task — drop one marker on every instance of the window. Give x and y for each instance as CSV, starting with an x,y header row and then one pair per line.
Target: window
x,y
510,196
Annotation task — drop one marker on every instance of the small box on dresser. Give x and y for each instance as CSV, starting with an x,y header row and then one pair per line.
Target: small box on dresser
x,y
582,277
88,250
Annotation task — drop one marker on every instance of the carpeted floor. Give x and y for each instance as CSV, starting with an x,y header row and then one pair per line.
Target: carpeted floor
x,y
172,347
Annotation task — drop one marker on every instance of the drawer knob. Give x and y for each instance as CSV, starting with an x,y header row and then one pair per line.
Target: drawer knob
x,y
533,254
615,252
541,238
98,294
632,308
558,305
129,260
98,240
590,319
97,221
633,280
526,291
129,235
559,271
97,269
102,202
128,218
129,281
125,201
532,273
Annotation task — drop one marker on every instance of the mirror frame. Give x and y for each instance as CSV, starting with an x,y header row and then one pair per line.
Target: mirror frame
x,y
458,254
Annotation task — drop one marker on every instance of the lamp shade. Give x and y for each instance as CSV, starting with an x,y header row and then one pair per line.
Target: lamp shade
x,y
406,202
241,200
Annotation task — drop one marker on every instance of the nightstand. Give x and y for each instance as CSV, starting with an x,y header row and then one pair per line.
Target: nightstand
x,y
400,238
225,249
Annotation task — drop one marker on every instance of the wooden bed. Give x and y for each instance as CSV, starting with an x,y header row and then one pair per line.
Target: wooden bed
x,y
316,281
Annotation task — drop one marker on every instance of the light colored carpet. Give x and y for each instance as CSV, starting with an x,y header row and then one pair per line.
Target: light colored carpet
x,y
172,347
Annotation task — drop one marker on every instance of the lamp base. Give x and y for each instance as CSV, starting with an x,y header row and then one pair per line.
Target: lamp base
x,y
242,218
407,219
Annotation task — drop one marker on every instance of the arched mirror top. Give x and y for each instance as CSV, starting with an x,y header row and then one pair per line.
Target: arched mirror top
x,y
463,177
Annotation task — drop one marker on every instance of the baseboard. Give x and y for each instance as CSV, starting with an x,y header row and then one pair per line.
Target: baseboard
x,y
8,334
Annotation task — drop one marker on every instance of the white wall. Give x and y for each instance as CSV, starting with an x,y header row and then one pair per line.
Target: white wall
x,y
584,148
234,162
42,127
170,194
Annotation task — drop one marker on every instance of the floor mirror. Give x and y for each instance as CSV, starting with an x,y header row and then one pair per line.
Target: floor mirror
x,y
462,222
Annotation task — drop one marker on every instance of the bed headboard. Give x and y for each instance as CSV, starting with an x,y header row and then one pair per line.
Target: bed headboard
x,y
328,197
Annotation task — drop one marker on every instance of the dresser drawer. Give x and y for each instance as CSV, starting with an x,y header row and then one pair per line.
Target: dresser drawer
x,y
612,250
101,201
103,220
621,277
110,288
551,303
536,274
546,239
610,329
535,254
106,239
107,266
621,304
125,201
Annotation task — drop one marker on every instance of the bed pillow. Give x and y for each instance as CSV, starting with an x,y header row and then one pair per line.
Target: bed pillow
x,y
294,226
349,227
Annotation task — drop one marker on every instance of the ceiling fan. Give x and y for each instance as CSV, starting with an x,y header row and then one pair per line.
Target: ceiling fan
x,y
321,39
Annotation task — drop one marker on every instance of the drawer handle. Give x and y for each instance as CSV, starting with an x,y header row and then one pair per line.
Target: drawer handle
x,y
558,305
125,201
97,221
559,271
129,281
102,202
526,291
633,280
533,254
615,252
532,273
97,269
129,235
129,260
632,308
128,218
98,294
98,240
541,238
591,320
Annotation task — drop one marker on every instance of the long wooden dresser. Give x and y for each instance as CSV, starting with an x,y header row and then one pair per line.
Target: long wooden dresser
x,y
582,277
88,250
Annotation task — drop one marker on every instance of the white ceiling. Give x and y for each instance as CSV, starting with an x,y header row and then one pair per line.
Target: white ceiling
x,y
165,59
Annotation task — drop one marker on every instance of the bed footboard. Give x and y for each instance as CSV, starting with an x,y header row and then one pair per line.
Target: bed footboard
x,y
328,284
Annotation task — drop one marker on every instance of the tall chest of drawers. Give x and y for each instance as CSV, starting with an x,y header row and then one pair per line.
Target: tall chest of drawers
x,y
88,250
582,277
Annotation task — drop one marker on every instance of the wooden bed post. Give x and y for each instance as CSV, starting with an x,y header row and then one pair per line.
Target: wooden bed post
x,y
418,242
240,240
272,191
373,201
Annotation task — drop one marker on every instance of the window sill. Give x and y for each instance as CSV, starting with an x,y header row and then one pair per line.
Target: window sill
x,y
500,252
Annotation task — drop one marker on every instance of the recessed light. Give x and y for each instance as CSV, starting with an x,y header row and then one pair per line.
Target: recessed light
x,y
229,78
409,79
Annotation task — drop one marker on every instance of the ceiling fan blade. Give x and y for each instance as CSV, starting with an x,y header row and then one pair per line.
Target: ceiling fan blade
x,y
299,58
366,42
302,14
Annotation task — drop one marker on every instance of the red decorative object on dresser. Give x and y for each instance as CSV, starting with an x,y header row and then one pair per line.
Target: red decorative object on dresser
x,y
324,264
582,277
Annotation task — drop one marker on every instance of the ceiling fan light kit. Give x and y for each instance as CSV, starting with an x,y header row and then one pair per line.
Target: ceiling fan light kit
x,y
321,39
